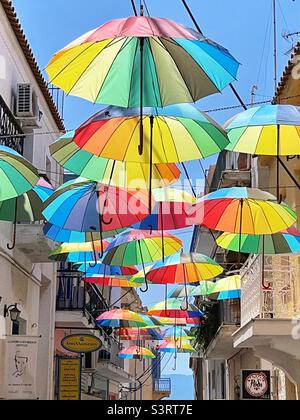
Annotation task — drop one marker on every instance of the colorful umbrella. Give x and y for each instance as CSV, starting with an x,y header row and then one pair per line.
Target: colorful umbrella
x,y
228,288
142,60
151,321
79,252
205,288
111,281
18,176
173,134
139,334
102,270
58,234
171,211
136,247
136,352
172,308
26,207
176,347
117,318
266,130
186,322
177,333
125,175
284,242
243,210
93,207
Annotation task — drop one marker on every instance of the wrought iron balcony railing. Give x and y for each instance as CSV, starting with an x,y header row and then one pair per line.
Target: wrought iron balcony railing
x,y
270,288
73,294
162,385
11,134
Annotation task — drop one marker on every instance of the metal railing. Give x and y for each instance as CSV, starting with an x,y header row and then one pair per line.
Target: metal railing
x,y
111,356
162,385
73,294
270,288
9,127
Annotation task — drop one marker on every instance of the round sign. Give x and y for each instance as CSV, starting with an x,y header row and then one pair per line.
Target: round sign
x,y
256,384
84,343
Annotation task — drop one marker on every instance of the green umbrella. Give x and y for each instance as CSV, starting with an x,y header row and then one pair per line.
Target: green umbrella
x,y
17,174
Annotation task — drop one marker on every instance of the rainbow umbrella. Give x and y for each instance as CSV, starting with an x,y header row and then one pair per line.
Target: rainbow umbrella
x,y
177,333
243,211
136,247
139,334
142,61
25,208
102,270
136,352
185,322
285,242
228,288
173,134
93,207
170,211
272,130
172,308
117,318
58,234
18,176
176,347
152,322
107,171
205,288
78,252
111,281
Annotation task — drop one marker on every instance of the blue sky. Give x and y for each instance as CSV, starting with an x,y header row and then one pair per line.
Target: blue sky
x,y
244,27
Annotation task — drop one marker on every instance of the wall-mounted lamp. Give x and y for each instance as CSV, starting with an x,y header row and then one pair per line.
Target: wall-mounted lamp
x,y
13,311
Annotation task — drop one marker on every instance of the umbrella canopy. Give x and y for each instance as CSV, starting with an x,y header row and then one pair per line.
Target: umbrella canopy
x,y
171,211
76,206
136,352
141,334
117,318
107,171
243,210
151,321
58,234
228,288
78,253
266,130
27,207
184,268
172,308
102,270
173,134
112,281
285,242
186,322
135,247
205,288
178,332
174,63
18,176
176,347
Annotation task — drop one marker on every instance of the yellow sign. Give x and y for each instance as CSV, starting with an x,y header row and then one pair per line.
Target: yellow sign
x,y
81,343
69,378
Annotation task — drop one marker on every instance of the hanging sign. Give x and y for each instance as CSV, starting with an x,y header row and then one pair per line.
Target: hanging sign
x,y
18,367
256,384
69,378
84,343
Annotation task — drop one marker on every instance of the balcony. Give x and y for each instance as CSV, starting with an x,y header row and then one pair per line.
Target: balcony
x,y
221,346
77,302
9,127
162,388
270,304
32,242
110,366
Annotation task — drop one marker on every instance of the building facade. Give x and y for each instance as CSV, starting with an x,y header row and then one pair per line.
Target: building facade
x,y
27,278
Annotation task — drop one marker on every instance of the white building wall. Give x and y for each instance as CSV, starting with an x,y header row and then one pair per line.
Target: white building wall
x,y
32,286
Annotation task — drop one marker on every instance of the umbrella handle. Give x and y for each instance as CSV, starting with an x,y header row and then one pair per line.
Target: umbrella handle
x,y
109,222
175,362
151,229
186,296
147,286
11,247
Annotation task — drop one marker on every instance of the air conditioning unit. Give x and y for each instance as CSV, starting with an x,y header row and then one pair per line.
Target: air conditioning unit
x,y
27,110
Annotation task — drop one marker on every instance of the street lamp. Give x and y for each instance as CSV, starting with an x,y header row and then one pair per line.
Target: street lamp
x,y
13,311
